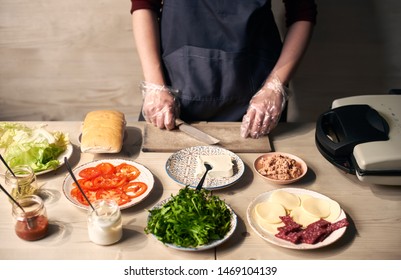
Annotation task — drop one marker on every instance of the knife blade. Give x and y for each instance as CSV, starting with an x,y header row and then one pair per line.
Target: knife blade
x,y
196,133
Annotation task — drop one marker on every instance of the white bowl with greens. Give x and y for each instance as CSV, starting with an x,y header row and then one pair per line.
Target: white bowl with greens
x,y
191,220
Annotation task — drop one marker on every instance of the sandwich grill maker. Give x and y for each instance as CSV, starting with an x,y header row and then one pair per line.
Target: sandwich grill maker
x,y
362,135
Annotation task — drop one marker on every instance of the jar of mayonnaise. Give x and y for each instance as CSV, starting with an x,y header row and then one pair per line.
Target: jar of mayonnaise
x,y
105,223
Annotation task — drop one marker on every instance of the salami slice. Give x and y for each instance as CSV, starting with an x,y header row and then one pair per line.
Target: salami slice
x,y
312,234
316,232
337,225
290,224
294,237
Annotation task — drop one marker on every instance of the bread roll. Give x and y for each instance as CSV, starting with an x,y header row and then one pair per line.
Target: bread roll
x,y
103,132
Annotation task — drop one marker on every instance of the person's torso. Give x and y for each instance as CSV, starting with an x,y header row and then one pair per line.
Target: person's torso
x,y
218,53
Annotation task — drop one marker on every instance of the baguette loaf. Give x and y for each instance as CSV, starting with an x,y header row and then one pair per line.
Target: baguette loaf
x,y
103,132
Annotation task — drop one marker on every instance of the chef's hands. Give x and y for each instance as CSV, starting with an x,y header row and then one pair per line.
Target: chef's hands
x,y
159,105
264,109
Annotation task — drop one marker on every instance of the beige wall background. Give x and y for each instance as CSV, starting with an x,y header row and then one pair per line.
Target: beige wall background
x,y
62,59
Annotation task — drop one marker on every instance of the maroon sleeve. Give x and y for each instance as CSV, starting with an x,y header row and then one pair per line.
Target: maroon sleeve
x,y
154,5
297,10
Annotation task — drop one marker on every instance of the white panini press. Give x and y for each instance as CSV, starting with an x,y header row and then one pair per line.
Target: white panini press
x,y
362,135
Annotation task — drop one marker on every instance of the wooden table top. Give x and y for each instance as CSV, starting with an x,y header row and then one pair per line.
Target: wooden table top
x,y
374,212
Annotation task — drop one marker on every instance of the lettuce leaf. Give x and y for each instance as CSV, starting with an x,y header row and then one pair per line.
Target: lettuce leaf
x,y
35,147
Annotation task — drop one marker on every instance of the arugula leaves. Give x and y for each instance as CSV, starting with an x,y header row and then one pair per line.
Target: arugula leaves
x,y
190,219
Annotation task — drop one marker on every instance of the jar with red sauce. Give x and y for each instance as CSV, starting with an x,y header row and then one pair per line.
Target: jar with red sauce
x,y
32,224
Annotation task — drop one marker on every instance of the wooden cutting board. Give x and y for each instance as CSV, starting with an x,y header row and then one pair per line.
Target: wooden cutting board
x,y
157,140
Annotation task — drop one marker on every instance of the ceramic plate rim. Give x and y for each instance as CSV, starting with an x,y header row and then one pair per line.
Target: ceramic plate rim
x,y
213,244
282,182
206,150
334,236
145,172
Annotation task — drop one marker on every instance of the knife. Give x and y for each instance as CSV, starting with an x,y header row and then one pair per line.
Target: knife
x,y
196,133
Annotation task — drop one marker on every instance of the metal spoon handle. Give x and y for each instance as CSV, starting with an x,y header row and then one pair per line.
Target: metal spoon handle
x,y
8,167
199,186
76,182
202,180
12,198
29,221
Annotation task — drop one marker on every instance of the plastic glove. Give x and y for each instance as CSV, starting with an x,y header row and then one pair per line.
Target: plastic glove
x,y
159,105
264,109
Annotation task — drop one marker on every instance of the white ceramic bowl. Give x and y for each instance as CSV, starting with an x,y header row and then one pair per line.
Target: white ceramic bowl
x,y
210,245
301,164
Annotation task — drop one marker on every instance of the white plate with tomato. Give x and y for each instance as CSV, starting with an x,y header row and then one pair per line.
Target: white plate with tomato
x,y
125,181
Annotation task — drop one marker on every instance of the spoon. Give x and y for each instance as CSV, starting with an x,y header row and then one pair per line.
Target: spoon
x,y
208,167
78,185
8,167
11,171
29,221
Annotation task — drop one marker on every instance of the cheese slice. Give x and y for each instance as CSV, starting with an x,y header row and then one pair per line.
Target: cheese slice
x,y
302,217
335,211
287,199
303,196
308,219
270,211
222,166
317,207
268,227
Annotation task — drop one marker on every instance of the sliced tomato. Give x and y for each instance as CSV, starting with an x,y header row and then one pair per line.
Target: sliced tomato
x,y
106,181
106,168
86,184
109,181
135,189
114,194
123,199
89,173
102,182
76,193
128,170
119,181
91,195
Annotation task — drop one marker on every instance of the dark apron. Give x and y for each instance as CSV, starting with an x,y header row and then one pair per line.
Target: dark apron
x,y
218,53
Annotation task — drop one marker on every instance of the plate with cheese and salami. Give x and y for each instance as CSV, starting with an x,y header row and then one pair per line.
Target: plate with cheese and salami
x,y
297,218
